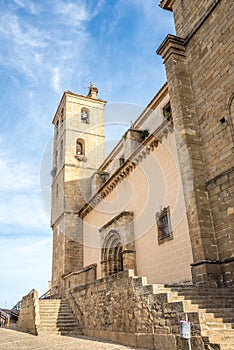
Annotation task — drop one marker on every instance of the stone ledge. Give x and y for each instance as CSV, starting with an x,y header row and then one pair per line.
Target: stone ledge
x,y
138,340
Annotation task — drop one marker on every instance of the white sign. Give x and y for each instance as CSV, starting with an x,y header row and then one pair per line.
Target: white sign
x,y
185,329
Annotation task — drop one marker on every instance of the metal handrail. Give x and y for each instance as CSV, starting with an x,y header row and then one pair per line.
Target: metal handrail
x,y
75,302
46,295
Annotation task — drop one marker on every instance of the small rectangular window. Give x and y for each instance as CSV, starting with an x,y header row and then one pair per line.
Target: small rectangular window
x,y
121,160
164,225
167,112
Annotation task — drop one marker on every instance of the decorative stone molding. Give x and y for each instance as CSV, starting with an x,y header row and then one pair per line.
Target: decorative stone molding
x,y
118,244
166,4
144,149
128,214
171,45
81,158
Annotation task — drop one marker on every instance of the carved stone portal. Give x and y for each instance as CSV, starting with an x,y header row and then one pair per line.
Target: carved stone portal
x,y
118,245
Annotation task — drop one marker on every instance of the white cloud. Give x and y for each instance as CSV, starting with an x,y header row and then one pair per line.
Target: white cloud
x,y
23,45
23,35
56,79
20,195
25,264
25,211
16,175
29,6
45,52
73,14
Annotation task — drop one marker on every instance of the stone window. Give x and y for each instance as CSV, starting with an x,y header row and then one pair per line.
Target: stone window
x,y
61,150
167,112
121,160
53,172
80,150
164,225
84,115
62,116
56,159
57,129
80,147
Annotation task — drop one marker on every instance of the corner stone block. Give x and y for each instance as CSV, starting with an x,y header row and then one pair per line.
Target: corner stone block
x,y
129,339
145,341
196,343
164,341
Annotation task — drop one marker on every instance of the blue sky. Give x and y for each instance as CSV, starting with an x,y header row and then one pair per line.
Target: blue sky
x,y
47,47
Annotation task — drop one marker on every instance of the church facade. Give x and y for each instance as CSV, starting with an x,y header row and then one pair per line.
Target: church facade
x,y
143,238
161,203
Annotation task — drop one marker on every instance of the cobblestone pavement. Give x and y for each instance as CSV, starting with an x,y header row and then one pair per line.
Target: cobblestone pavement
x,y
11,339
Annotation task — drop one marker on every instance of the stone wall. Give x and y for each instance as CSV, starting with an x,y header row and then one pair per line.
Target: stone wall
x,y
124,309
199,70
29,317
221,191
81,277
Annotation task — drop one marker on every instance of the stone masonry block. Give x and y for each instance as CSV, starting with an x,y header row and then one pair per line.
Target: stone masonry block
x,y
145,341
164,341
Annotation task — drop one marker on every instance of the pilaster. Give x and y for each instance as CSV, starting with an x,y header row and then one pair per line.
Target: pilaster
x,y
193,173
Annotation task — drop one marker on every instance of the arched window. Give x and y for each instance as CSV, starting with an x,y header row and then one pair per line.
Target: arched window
x,y
57,129
80,147
56,159
84,115
62,116
61,150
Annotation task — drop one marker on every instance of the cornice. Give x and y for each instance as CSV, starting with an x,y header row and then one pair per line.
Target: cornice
x,y
147,110
144,149
129,214
166,4
152,105
171,45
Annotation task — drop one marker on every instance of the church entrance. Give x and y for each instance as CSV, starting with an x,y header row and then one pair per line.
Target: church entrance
x,y
112,260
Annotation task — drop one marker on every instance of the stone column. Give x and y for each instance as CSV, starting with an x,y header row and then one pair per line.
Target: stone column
x,y
203,241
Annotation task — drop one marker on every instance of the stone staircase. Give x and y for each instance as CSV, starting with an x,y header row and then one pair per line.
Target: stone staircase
x,y
210,310
56,317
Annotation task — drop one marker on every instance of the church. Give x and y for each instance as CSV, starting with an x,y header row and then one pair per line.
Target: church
x,y
161,203
140,236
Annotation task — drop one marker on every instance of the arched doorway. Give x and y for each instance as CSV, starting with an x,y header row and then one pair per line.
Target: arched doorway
x,y
112,260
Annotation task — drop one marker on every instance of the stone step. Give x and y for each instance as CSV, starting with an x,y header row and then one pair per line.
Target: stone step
x,y
202,297
47,306
45,323
213,307
196,289
56,317
227,346
52,326
60,312
218,332
55,312
57,330
59,325
221,338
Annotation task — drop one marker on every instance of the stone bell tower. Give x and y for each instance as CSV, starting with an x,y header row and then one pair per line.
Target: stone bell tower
x,y
77,154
